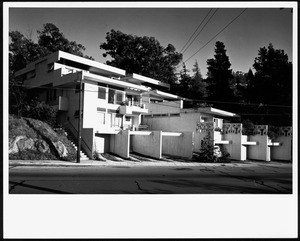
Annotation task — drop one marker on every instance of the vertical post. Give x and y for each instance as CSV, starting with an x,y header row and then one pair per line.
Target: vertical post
x,y
79,121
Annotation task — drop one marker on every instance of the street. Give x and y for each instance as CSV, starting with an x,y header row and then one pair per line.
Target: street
x,y
231,178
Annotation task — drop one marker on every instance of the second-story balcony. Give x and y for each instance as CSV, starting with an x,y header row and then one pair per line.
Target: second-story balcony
x,y
128,107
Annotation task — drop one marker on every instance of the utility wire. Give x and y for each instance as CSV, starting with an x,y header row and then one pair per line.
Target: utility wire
x,y
217,34
200,31
195,30
196,100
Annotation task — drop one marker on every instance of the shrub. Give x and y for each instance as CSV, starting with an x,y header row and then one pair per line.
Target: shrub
x,y
248,127
207,149
210,152
32,155
273,132
41,111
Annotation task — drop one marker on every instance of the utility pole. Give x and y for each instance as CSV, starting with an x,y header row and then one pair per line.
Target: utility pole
x,y
79,121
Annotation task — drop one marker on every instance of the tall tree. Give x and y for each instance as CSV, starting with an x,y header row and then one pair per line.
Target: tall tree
x,y
141,55
51,40
185,82
273,73
219,77
272,84
198,86
22,51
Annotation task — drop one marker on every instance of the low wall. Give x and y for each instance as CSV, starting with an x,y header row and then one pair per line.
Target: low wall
x,y
101,143
148,144
119,143
284,151
233,133
181,146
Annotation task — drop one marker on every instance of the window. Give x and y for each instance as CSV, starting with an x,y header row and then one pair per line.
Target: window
x,y
101,93
101,113
119,97
127,118
51,95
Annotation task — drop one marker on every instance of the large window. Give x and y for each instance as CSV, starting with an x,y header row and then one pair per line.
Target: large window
x,y
101,93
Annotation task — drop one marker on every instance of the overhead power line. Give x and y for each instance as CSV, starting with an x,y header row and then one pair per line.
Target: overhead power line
x,y
216,34
196,100
196,30
200,30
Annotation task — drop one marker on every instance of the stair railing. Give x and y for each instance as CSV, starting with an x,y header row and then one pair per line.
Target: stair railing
x,y
76,132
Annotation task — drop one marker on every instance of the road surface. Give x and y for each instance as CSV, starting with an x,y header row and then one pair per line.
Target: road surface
x,y
206,179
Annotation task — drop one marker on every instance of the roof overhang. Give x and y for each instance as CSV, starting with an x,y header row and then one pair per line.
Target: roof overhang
x,y
210,111
92,65
113,82
139,79
214,111
164,95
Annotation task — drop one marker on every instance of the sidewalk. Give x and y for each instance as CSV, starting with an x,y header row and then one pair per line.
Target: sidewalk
x,y
83,163
139,163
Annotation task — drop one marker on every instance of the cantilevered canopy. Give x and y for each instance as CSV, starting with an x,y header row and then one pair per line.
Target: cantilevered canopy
x,y
139,79
212,111
164,95
113,82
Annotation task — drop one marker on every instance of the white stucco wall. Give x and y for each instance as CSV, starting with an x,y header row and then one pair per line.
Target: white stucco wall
x,y
235,147
284,151
261,151
119,143
149,145
180,146
101,143
163,107
184,122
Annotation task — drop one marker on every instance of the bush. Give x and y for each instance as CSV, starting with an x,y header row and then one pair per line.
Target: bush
x,y
248,127
41,111
32,155
273,132
210,152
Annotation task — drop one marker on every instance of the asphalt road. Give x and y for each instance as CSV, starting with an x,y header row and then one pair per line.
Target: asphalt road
x,y
211,179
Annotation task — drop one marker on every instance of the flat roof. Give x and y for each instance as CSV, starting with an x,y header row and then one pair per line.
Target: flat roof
x,y
158,93
138,79
210,110
115,82
94,66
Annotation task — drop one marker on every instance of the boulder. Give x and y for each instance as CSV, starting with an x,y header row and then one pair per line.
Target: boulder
x,y
26,144
42,146
60,148
13,147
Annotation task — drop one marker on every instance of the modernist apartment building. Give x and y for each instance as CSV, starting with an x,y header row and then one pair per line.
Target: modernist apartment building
x,y
123,112
111,100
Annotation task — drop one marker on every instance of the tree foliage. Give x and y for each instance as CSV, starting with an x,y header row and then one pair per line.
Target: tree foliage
x,y
198,86
23,50
141,55
219,76
271,87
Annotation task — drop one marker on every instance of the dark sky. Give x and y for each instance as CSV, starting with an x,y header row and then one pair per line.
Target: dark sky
x,y
255,28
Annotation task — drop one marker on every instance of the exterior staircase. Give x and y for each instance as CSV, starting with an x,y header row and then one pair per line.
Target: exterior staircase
x,y
73,140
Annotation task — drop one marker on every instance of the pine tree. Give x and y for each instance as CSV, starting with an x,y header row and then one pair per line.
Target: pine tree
x,y
219,77
198,86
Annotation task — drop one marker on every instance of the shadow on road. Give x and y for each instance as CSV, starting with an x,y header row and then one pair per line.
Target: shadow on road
x,y
35,187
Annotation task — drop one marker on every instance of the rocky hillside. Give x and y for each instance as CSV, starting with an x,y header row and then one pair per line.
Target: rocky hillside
x,y
31,139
